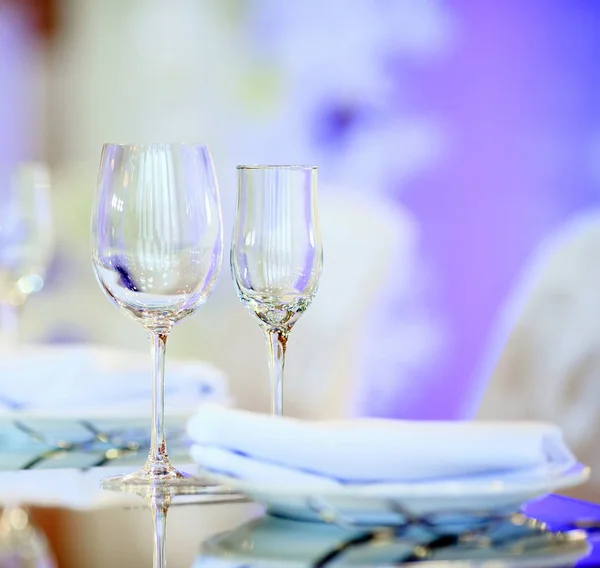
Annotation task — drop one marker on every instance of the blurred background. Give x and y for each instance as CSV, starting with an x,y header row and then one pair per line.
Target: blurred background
x,y
458,145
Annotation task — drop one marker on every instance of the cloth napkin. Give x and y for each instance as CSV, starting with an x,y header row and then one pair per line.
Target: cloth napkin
x,y
279,450
87,381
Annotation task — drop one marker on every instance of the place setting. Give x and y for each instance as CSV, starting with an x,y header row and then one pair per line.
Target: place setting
x,y
353,491
157,248
445,489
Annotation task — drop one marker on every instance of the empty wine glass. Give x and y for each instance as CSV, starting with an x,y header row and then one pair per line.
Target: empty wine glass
x,y
276,254
26,239
156,250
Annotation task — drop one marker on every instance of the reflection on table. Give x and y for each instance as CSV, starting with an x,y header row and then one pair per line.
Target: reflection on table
x,y
75,522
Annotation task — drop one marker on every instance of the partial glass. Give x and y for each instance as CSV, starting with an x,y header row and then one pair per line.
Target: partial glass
x,y
22,545
156,249
26,240
276,254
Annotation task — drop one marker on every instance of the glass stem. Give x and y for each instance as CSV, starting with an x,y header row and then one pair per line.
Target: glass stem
x,y
159,512
277,342
158,457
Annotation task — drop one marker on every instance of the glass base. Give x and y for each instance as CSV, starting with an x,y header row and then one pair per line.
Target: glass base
x,y
161,474
158,492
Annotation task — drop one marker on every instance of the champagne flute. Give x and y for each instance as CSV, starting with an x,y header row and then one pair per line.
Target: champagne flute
x,y
26,240
276,254
156,250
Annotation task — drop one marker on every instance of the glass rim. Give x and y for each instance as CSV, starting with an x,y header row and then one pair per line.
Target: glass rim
x,y
155,144
276,167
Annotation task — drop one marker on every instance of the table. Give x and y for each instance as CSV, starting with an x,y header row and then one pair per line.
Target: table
x,y
86,526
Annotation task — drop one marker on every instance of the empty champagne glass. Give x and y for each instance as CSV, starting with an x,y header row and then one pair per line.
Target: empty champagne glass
x,y
26,239
156,250
276,254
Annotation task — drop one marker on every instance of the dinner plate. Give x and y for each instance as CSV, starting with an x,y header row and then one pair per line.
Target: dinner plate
x,y
272,542
379,503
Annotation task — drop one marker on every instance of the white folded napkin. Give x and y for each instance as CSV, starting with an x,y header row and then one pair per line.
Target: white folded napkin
x,y
279,450
87,381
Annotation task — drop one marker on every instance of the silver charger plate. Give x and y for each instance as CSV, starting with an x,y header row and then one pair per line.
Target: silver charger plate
x,y
271,542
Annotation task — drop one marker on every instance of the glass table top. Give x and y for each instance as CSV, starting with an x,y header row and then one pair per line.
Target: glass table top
x,y
62,517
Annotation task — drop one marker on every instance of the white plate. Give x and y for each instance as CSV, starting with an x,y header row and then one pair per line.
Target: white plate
x,y
271,542
371,504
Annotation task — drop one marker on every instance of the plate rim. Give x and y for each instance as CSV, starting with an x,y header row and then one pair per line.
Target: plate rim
x,y
576,475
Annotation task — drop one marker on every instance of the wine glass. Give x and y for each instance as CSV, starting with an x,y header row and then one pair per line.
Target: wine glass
x,y
156,250
26,239
276,254
26,247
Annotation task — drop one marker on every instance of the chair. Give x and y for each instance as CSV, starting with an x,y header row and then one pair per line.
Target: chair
x,y
544,359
